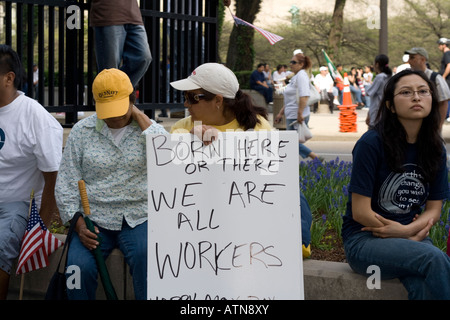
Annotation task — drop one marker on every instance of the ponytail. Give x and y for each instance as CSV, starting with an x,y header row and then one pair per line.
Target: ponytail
x,y
383,64
307,64
245,111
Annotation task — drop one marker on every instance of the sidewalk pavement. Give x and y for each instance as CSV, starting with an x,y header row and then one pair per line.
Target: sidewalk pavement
x,y
324,126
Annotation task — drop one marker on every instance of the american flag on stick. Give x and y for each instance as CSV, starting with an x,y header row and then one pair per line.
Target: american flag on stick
x,y
273,38
37,244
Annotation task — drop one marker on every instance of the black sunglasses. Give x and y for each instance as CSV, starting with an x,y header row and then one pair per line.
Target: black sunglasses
x,y
293,62
193,98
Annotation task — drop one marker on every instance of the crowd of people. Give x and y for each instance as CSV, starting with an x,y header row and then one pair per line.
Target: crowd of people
x,y
401,154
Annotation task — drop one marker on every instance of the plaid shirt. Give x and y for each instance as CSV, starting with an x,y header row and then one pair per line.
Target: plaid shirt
x,y
115,176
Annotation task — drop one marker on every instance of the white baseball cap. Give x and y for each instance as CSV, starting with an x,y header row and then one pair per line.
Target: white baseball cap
x,y
212,77
297,51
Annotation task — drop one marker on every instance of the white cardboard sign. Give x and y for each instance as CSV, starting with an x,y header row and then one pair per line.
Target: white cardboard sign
x,y
224,219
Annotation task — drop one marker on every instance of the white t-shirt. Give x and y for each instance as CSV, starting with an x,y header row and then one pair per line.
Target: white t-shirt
x,y
118,134
324,83
299,83
278,77
31,141
35,76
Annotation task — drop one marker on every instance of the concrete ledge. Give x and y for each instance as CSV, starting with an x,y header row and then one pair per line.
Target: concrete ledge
x,y
325,280
258,99
36,282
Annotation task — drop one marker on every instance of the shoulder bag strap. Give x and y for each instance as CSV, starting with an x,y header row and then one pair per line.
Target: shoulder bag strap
x,y
73,223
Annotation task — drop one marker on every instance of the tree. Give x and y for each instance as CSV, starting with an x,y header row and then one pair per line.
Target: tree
x,y
220,19
433,16
430,21
336,31
241,53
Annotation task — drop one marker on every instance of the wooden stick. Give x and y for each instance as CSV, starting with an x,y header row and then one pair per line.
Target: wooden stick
x,y
84,198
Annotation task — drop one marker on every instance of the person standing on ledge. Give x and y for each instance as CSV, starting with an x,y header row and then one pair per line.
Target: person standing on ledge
x,y
120,37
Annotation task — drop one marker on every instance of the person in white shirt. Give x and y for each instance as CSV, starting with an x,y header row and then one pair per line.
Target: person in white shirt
x,y
279,75
31,142
324,84
367,82
36,82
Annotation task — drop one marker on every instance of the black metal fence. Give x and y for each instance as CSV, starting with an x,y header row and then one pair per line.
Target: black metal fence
x,y
54,35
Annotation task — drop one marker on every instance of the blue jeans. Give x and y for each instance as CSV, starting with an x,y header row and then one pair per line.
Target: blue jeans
x,y
357,92
423,269
366,87
123,43
303,150
133,244
13,222
266,92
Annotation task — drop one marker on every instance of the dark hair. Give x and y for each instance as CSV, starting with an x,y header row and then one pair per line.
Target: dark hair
x,y
383,64
10,62
429,141
305,60
133,97
242,107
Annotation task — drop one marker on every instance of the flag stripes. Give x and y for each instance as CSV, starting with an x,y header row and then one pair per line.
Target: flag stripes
x,y
273,38
37,244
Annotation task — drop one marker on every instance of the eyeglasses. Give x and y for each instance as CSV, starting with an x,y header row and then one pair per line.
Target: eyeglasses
x,y
193,98
293,62
409,93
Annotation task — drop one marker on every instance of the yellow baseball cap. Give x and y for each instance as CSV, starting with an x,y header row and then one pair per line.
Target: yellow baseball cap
x,y
111,89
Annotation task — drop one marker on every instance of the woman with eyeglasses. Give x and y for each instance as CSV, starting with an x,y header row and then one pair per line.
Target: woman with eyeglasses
x,y
296,95
398,183
213,98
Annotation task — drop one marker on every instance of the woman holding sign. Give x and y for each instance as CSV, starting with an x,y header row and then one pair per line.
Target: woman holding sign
x,y
398,183
213,98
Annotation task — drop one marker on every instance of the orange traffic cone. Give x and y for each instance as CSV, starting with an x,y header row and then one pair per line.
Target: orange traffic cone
x,y
348,114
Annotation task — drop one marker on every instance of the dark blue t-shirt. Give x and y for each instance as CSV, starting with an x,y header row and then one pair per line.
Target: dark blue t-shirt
x,y
256,76
395,196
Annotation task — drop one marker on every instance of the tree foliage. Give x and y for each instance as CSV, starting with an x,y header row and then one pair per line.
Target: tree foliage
x,y
240,51
421,24
336,29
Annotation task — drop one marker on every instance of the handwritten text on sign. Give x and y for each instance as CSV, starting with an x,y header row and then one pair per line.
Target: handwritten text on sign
x,y
224,219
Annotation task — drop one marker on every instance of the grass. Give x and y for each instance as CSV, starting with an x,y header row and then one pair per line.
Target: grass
x,y
325,186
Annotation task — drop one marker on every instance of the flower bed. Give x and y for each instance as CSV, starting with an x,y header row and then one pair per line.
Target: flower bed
x,y
325,186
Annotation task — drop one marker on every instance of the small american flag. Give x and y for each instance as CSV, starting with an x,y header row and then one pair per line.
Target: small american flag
x,y
273,38
37,244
